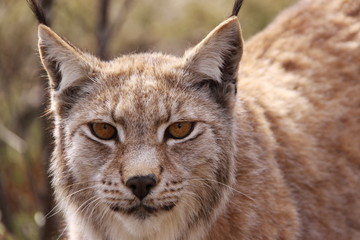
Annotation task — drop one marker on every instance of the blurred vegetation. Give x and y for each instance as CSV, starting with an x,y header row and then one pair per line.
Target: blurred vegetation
x,y
168,26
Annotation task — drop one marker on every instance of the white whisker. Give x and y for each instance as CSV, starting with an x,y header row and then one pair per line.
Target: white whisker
x,y
51,214
223,184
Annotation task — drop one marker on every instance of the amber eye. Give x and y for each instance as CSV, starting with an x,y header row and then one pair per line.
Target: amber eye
x,y
103,131
180,129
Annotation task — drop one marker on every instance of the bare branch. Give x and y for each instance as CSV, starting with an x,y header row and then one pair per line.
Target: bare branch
x,y
106,29
122,15
103,30
5,215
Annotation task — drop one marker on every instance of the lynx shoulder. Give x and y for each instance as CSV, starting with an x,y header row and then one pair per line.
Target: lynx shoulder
x,y
152,146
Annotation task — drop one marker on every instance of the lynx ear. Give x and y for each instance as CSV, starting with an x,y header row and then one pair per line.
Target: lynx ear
x,y
215,59
63,62
67,68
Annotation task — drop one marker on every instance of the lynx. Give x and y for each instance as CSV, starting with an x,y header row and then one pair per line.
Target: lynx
x,y
152,146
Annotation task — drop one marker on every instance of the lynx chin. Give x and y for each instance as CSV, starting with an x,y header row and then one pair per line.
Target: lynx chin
x,y
208,146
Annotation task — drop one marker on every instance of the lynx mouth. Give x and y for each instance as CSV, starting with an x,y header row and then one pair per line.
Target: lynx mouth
x,y
141,210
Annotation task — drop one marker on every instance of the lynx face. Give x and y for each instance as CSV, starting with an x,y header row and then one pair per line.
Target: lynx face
x,y
162,144
145,140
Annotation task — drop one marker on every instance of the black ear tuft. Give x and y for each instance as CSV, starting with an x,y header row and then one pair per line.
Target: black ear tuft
x,y
236,8
38,11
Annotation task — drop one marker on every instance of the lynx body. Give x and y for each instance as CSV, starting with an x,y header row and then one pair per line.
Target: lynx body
x,y
151,146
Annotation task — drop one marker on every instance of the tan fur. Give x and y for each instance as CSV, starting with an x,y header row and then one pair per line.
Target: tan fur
x,y
280,160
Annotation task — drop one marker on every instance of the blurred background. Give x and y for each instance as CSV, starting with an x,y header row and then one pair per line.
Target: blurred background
x,y
106,28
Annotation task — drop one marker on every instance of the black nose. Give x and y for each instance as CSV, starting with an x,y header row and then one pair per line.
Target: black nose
x,y
141,185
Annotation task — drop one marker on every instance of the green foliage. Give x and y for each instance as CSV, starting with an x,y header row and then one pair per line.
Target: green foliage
x,y
168,26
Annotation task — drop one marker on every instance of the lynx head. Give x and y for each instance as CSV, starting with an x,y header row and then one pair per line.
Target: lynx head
x,y
146,139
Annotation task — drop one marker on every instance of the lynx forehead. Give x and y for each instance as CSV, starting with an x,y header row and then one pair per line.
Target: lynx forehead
x,y
151,146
